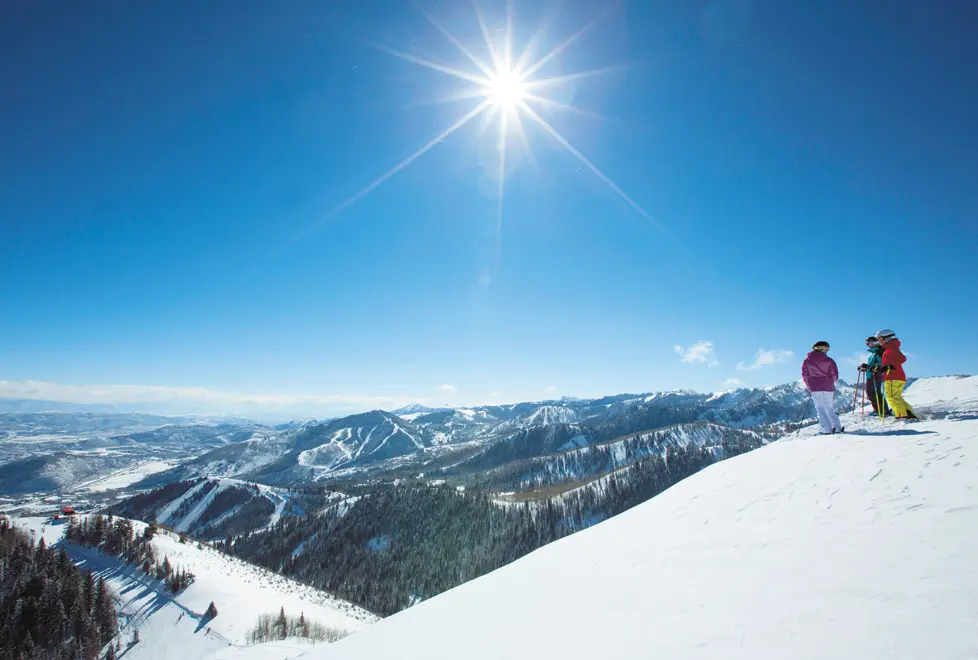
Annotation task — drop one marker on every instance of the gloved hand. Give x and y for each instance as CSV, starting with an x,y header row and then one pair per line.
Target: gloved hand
x,y
863,367
888,368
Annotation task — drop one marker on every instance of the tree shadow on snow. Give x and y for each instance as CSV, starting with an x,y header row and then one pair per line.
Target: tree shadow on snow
x,y
155,605
202,622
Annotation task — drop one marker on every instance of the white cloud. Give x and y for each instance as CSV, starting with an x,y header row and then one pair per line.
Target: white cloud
x,y
447,388
767,358
733,382
199,400
701,351
551,389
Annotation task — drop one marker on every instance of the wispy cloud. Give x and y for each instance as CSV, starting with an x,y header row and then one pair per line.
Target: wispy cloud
x,y
199,400
701,352
733,382
551,389
448,388
767,358
855,359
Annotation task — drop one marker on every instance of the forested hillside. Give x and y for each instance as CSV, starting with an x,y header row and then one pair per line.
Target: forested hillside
x,y
398,545
576,465
48,607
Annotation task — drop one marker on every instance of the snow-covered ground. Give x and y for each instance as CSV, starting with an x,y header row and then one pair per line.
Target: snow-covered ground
x,y
172,627
126,477
947,394
863,545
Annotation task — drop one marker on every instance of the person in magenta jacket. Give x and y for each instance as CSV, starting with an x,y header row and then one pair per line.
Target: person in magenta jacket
x,y
820,372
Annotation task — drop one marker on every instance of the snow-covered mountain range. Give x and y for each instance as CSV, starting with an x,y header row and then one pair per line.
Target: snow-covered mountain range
x,y
422,439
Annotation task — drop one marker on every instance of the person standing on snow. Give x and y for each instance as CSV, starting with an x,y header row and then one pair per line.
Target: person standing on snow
x,y
820,372
894,378
873,368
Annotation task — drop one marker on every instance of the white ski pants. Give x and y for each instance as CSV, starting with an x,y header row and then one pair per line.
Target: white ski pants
x,y
825,407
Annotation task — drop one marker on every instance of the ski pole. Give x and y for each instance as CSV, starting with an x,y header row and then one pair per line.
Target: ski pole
x,y
879,404
804,409
883,405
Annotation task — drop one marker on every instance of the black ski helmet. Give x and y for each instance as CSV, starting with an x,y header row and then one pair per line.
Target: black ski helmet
x,y
821,346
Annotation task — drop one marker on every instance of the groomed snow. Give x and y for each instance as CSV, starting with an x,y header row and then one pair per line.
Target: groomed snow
x,y
854,546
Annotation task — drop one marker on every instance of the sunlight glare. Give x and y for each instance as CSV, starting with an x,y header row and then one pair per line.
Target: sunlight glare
x,y
506,90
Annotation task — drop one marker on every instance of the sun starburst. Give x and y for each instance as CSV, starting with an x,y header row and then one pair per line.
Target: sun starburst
x,y
505,92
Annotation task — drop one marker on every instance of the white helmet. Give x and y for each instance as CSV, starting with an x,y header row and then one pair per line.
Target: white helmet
x,y
883,334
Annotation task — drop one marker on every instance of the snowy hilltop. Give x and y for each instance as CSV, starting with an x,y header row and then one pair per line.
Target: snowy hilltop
x,y
853,546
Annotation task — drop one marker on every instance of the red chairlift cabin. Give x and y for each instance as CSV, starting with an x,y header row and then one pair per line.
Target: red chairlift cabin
x,y
68,511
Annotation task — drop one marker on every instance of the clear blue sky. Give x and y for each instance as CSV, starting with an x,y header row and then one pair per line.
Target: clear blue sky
x,y
168,172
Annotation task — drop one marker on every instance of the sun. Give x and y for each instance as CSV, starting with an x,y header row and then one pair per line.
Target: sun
x,y
510,91
506,90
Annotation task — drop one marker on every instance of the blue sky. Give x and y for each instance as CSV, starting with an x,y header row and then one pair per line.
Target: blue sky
x,y
796,172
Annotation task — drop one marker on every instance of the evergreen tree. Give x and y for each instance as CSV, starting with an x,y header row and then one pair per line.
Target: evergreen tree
x,y
282,624
88,591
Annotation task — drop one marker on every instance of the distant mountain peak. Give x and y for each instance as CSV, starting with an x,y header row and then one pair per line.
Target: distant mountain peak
x,y
415,408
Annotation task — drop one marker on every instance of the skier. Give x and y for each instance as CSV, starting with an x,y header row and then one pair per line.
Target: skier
x,y
873,369
820,372
894,378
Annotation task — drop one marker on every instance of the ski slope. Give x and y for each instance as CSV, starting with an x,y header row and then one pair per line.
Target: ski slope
x,y
172,627
863,545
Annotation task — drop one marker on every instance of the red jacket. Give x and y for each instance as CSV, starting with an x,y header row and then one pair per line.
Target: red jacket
x,y
893,357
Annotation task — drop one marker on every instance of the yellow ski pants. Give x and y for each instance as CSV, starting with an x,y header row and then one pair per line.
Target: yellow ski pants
x,y
894,394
